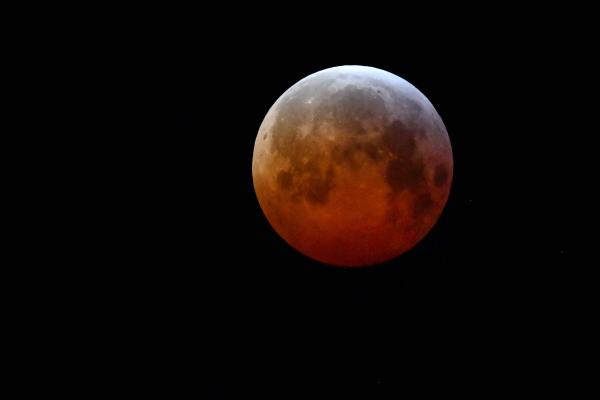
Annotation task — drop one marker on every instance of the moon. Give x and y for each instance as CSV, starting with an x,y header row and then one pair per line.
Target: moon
x,y
352,166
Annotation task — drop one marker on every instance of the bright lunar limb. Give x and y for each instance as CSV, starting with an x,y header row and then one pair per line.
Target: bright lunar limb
x,y
352,166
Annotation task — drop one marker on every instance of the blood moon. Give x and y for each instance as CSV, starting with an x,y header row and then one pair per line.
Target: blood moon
x,y
352,166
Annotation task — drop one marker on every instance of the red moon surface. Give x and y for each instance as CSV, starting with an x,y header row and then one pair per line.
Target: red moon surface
x,y
352,166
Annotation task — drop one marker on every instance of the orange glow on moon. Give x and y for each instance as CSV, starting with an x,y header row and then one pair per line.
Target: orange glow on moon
x,y
352,166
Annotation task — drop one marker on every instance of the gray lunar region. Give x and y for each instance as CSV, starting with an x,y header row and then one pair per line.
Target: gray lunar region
x,y
348,144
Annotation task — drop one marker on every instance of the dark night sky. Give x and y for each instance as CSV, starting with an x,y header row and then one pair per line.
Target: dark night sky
x,y
153,269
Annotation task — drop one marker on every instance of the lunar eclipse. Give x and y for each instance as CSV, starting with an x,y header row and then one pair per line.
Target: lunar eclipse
x,y
352,166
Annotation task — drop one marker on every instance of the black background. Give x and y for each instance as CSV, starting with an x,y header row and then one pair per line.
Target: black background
x,y
150,269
